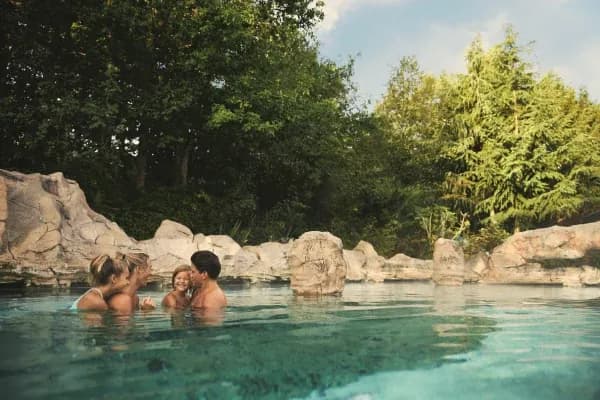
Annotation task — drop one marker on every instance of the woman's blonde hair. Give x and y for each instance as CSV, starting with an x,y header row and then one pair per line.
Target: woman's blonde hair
x,y
181,268
102,267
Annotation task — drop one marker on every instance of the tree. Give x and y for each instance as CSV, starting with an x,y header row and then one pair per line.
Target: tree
x,y
413,118
519,159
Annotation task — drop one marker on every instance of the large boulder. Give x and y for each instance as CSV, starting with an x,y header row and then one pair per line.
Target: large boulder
x,y
224,247
404,268
355,262
557,255
173,230
49,233
448,263
317,264
373,266
264,263
476,266
173,244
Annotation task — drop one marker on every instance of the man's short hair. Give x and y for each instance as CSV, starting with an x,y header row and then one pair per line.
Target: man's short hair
x,y
208,261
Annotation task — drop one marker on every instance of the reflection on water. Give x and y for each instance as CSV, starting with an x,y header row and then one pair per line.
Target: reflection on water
x,y
375,341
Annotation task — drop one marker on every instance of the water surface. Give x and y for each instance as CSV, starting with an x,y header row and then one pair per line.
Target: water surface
x,y
376,341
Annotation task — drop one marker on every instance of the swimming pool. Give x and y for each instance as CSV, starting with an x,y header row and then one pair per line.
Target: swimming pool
x,y
376,341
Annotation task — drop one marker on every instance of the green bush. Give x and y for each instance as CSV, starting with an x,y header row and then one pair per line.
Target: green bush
x,y
486,239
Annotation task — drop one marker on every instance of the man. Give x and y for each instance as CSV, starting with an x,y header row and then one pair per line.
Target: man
x,y
205,271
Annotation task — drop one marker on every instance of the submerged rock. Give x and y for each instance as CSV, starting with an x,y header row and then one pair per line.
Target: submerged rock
x,y
156,365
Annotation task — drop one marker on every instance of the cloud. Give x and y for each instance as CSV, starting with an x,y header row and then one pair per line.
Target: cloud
x,y
334,9
441,47
582,69
567,40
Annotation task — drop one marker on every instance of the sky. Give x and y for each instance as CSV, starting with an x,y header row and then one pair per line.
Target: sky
x,y
378,33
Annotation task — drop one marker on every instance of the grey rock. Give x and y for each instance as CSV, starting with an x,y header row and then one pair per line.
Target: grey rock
x,y
317,264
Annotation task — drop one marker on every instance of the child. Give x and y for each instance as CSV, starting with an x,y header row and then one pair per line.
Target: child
x,y
178,298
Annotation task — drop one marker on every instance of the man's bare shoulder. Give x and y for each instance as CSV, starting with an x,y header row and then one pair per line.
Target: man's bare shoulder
x,y
197,301
215,299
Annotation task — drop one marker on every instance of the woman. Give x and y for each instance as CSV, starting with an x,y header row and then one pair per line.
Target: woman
x,y
127,300
107,277
178,298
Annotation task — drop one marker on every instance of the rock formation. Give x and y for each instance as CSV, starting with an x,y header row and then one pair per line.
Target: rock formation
x,y
373,262
556,255
404,268
48,235
448,263
317,264
355,262
476,267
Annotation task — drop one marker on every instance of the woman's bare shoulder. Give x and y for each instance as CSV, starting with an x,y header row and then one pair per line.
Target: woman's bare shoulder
x,y
91,301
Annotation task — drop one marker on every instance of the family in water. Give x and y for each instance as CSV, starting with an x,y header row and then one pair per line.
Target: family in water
x,y
116,280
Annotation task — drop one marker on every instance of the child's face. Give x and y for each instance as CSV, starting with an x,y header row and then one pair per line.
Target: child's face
x,y
182,281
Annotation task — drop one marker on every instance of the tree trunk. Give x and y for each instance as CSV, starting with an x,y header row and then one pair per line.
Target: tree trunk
x,y
140,176
140,165
182,164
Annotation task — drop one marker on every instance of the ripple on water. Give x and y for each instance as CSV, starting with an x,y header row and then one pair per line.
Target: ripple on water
x,y
365,344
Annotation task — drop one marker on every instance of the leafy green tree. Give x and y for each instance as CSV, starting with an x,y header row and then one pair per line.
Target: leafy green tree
x,y
519,158
492,95
413,118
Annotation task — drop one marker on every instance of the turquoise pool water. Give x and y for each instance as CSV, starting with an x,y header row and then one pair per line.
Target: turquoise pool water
x,y
376,341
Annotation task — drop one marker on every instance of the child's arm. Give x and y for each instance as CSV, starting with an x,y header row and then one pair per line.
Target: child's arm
x,y
147,304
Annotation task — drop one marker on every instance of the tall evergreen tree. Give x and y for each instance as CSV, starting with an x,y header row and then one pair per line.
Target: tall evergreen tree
x,y
518,152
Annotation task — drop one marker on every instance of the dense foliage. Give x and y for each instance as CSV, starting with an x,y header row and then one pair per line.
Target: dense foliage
x,y
505,149
222,116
